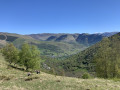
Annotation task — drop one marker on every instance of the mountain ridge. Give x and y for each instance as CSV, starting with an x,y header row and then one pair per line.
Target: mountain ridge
x,y
84,38
56,44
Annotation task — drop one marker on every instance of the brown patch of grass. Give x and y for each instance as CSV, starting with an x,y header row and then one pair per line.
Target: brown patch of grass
x,y
28,79
31,78
3,77
57,80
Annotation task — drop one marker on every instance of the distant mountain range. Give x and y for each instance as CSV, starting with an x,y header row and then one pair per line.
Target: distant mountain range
x,y
85,39
107,34
62,44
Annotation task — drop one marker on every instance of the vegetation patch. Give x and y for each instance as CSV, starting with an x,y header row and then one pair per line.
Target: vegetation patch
x,y
7,78
57,80
86,76
31,78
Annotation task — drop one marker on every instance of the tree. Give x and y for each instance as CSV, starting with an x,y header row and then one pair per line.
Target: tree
x,y
35,58
115,57
103,59
11,53
108,58
30,56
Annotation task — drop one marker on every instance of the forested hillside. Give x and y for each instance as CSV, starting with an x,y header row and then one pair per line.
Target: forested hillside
x,y
103,58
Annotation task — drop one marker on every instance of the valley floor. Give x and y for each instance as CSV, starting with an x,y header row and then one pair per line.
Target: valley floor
x,y
13,79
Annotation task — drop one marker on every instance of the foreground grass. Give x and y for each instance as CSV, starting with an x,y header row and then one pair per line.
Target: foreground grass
x,y
12,79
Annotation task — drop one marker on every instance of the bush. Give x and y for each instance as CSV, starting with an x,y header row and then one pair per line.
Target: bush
x,y
86,76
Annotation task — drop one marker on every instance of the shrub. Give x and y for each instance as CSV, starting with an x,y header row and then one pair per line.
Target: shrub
x,y
86,76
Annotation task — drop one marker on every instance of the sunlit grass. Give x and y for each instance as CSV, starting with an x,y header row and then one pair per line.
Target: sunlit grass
x,y
45,81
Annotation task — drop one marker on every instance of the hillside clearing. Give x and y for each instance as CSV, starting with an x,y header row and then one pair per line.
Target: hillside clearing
x,y
13,79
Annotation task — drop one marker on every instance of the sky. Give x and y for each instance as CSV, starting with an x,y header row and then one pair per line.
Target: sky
x,y
59,16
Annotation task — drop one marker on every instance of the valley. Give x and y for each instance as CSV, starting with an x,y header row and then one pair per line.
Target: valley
x,y
57,45
95,65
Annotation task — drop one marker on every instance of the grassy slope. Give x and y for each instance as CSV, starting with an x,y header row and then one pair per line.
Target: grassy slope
x,y
50,82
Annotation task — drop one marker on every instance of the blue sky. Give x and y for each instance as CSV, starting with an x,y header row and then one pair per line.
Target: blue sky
x,y
59,16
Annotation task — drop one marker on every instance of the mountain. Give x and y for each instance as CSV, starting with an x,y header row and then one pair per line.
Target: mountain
x,y
84,39
89,39
79,52
51,44
49,48
41,37
108,50
107,34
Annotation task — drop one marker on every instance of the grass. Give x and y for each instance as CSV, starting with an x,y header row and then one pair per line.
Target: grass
x,y
14,79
